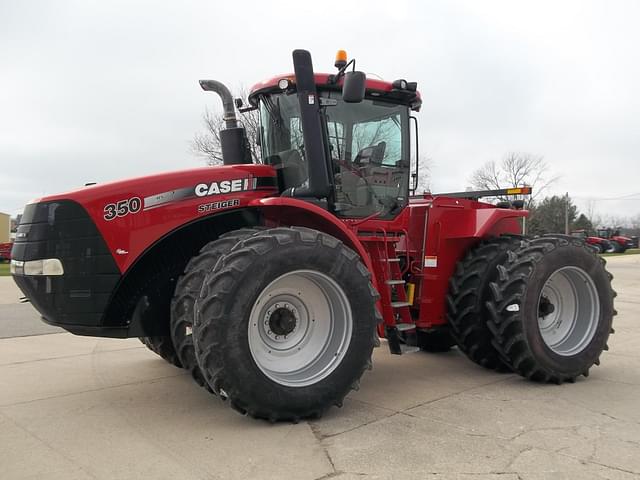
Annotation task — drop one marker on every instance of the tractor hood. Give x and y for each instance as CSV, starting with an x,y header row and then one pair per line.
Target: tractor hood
x,y
168,184
131,214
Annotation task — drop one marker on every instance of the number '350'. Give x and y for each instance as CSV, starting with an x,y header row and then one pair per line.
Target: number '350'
x,y
122,208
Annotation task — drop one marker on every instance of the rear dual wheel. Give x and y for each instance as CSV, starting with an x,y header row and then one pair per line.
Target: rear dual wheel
x,y
551,309
469,289
286,324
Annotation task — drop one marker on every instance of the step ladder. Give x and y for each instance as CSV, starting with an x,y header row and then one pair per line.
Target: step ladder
x,y
393,296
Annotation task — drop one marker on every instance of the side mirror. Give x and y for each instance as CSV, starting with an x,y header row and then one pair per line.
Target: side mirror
x,y
353,87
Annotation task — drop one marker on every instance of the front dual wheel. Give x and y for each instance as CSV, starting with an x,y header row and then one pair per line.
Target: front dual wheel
x,y
285,324
300,328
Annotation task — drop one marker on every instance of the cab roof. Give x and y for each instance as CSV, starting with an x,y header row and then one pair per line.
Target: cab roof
x,y
374,88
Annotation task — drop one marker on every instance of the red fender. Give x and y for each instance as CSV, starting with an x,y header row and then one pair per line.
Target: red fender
x,y
291,211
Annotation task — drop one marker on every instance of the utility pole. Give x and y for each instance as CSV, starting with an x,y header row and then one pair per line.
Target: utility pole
x,y
566,214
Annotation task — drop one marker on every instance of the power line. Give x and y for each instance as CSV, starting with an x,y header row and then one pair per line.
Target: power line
x,y
630,196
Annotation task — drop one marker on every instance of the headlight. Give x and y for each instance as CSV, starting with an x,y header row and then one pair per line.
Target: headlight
x,y
284,83
47,266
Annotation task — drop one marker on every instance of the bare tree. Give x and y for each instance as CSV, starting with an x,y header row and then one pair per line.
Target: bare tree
x,y
613,220
424,175
593,217
207,142
516,169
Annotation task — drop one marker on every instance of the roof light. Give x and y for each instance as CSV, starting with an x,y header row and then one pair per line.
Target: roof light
x,y
400,84
341,58
283,83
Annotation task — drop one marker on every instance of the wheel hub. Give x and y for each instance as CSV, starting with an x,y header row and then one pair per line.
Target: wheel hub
x,y
282,320
546,307
568,311
300,328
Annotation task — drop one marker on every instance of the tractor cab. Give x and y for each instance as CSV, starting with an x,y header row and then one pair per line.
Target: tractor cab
x,y
358,132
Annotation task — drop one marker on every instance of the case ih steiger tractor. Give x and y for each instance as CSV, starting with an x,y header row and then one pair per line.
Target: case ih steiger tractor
x,y
619,243
601,245
272,283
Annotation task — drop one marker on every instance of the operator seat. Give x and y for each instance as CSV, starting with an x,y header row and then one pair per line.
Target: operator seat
x,y
290,167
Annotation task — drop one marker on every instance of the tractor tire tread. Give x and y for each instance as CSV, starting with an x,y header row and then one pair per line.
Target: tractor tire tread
x,y
509,339
217,291
466,312
163,347
186,295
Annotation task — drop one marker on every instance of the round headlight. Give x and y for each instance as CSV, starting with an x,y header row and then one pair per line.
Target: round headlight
x,y
400,84
283,83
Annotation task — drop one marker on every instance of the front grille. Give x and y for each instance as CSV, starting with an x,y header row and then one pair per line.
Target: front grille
x,y
62,229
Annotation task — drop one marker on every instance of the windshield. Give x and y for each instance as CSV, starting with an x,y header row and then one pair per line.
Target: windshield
x,y
368,142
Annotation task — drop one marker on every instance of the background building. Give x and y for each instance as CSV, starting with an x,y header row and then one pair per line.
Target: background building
x,y
5,227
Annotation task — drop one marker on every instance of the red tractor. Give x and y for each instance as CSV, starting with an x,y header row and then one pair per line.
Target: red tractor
x,y
5,251
601,245
272,283
619,243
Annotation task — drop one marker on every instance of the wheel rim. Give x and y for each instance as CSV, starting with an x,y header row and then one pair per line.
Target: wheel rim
x,y
300,328
568,311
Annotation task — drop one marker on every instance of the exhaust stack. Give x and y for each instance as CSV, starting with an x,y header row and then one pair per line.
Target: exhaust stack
x,y
233,138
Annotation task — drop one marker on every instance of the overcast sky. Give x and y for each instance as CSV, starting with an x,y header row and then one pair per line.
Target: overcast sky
x,y
101,90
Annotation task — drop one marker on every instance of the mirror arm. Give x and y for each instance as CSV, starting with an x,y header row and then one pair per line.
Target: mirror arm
x,y
333,79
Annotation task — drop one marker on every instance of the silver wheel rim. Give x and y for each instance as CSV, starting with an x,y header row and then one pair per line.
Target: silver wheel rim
x,y
300,328
568,311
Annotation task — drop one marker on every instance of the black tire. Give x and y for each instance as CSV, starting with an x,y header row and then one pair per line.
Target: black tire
x,y
609,247
225,305
186,294
597,247
617,248
469,289
163,347
517,300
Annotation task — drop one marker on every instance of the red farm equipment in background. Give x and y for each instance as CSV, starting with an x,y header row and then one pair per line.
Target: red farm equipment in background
x,y
272,283
5,251
601,245
619,243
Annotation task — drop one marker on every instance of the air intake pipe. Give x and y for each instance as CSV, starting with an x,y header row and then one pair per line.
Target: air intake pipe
x,y
233,138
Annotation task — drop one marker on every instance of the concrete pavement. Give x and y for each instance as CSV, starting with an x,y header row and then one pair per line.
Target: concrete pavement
x,y
19,319
76,408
